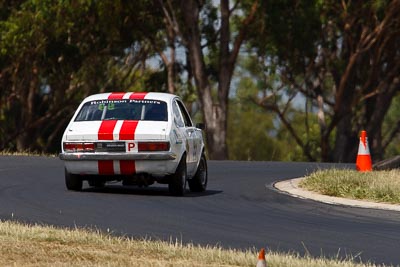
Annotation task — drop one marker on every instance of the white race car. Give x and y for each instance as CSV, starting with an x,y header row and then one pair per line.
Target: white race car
x,y
136,138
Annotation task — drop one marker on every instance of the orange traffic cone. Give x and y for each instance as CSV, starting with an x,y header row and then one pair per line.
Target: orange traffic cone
x,y
261,259
364,162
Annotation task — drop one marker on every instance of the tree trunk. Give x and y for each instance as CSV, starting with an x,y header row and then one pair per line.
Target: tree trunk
x,y
214,115
215,111
170,25
374,125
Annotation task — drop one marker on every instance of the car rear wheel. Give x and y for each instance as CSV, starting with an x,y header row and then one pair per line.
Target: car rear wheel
x,y
177,182
73,181
199,182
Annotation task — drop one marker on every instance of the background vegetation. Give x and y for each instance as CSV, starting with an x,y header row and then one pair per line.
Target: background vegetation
x,y
272,80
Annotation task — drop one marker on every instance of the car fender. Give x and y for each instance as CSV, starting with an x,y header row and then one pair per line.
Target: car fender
x,y
178,143
202,151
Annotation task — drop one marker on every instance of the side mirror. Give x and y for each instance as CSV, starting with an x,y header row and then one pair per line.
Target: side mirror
x,y
201,126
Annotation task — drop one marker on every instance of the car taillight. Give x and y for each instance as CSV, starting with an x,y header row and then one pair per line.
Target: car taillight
x,y
153,146
78,147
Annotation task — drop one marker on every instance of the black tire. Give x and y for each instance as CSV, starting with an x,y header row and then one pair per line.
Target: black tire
x,y
199,181
177,181
73,181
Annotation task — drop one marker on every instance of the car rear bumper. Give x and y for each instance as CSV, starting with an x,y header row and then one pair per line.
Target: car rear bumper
x,y
117,156
121,167
154,163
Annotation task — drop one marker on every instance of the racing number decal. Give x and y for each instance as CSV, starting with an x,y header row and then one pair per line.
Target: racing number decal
x,y
131,147
127,132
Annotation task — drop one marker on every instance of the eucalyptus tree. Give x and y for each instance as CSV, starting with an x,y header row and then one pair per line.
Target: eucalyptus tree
x,y
344,58
212,33
53,53
215,106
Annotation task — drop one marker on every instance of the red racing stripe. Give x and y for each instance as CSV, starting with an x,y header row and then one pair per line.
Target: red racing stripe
x,y
106,130
107,127
118,95
106,167
128,130
127,167
138,96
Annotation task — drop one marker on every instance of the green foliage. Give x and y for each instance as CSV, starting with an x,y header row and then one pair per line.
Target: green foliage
x,y
249,134
307,48
250,129
254,134
54,53
289,30
257,81
391,119
307,128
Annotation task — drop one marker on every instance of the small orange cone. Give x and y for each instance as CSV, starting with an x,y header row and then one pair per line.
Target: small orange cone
x,y
261,259
364,162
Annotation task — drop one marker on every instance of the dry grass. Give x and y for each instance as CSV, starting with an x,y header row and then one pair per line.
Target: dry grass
x,y
379,186
23,245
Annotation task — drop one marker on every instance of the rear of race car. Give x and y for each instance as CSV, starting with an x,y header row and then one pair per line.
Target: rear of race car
x,y
121,136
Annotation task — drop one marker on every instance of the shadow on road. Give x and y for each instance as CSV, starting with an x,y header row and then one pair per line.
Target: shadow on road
x,y
145,191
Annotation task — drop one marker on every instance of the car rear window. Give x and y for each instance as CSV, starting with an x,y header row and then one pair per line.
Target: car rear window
x,y
123,109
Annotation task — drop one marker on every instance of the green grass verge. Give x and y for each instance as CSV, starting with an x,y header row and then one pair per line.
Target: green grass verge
x,y
34,245
378,186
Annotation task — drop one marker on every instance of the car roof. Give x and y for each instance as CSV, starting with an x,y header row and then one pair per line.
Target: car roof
x,y
149,95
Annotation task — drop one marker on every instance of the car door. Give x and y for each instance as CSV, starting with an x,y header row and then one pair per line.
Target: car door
x,y
185,126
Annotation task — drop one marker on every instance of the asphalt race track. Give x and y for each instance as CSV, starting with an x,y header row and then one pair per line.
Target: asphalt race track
x,y
239,210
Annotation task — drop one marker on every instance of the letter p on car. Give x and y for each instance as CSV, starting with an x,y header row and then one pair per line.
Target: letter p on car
x,y
131,146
